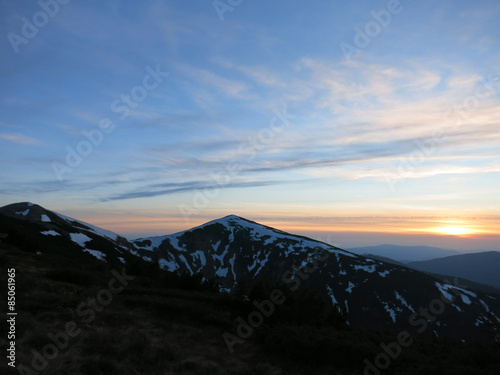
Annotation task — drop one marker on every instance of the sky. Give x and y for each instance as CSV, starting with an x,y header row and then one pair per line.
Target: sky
x,y
359,123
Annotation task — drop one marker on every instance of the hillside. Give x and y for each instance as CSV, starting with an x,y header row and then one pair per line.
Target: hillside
x,y
236,252
331,309
372,293
481,267
445,278
405,254
162,324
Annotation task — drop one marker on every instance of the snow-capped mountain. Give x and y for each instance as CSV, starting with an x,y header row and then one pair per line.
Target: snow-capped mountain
x,y
233,248
235,251
36,229
372,292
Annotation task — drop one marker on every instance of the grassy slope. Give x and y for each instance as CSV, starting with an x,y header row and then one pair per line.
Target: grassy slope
x,y
149,328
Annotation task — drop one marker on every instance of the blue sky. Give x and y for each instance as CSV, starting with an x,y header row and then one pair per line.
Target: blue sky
x,y
265,113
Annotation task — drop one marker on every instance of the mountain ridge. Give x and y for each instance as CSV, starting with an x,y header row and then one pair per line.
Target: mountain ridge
x,y
406,254
481,267
233,250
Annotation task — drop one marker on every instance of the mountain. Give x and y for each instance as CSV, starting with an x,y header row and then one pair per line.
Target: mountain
x,y
237,253
80,315
405,254
33,228
443,277
481,267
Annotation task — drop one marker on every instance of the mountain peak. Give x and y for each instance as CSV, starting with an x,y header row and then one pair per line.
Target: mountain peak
x,y
232,220
33,212
19,205
25,210
233,217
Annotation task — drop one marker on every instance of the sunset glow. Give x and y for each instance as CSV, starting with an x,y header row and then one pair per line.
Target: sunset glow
x,y
454,231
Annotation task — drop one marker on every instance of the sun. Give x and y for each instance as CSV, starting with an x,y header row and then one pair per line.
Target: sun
x,y
454,231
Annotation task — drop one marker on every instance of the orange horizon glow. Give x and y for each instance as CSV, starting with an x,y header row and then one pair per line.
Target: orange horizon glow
x,y
367,224
472,232
455,231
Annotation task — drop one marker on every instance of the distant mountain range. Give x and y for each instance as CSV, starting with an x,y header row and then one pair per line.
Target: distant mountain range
x,y
479,267
234,251
405,254
483,267
483,287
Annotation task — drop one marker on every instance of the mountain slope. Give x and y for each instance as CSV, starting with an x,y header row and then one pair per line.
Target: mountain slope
x,y
405,253
383,259
35,229
373,293
237,252
480,267
446,278
150,327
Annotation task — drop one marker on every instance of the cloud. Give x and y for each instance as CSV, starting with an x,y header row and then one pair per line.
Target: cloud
x,y
173,188
229,87
19,139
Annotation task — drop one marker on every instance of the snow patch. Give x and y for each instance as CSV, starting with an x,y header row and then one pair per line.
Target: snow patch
x,y
201,256
349,288
168,265
385,273
262,264
231,262
270,240
403,301
45,218
155,242
222,272
289,251
221,257
444,291
215,246
391,312
465,299
174,241
50,233
98,254
183,258
80,238
369,269
343,252
330,293
93,228
464,294
486,307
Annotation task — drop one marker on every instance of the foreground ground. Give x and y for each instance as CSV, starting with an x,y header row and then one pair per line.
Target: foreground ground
x,y
73,319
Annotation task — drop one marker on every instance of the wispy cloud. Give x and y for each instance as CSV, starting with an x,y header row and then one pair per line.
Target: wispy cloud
x,y
204,77
19,139
173,188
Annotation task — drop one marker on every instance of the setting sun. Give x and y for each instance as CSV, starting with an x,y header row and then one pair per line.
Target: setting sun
x,y
454,231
